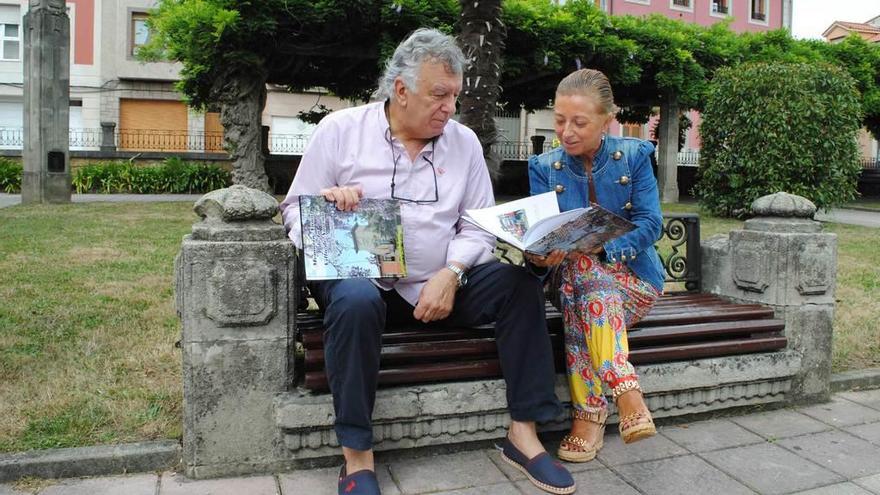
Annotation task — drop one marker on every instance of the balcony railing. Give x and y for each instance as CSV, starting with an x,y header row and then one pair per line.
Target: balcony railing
x,y
288,144
162,140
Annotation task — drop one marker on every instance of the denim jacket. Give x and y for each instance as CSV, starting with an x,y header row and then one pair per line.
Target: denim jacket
x,y
625,185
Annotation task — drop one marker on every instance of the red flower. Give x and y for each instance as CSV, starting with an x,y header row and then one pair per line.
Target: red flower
x,y
616,323
596,308
608,376
569,360
585,264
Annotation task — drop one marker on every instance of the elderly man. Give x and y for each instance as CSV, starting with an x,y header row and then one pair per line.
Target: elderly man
x,y
406,148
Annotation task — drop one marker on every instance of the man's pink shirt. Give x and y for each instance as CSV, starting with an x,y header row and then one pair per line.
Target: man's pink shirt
x,y
351,148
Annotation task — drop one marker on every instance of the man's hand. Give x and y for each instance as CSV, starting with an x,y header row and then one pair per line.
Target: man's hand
x,y
345,197
552,258
437,297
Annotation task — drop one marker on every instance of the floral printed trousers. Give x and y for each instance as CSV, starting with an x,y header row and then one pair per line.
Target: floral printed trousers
x,y
599,301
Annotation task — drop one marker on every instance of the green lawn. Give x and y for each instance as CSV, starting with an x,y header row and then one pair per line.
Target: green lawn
x,y
87,323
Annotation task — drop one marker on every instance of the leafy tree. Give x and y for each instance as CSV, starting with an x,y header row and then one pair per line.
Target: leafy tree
x,y
230,49
760,137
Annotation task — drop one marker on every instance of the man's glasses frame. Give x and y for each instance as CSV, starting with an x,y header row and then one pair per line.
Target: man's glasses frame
x,y
395,157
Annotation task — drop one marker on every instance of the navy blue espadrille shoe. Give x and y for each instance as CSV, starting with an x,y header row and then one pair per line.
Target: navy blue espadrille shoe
x,y
361,482
543,471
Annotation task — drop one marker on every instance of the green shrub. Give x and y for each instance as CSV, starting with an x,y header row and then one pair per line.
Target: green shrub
x,y
10,175
778,127
172,176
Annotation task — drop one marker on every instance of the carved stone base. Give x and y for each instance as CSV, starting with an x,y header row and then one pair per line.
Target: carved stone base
x,y
458,412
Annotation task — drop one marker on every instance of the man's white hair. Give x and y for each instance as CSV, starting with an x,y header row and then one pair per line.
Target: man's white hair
x,y
423,45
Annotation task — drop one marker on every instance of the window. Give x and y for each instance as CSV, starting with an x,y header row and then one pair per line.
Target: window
x,y
140,33
10,32
681,4
631,130
759,11
720,7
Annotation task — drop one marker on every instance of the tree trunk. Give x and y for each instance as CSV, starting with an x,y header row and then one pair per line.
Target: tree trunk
x,y
241,95
667,164
482,37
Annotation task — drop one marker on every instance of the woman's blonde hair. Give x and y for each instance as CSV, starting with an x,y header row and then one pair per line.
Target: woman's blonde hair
x,y
589,82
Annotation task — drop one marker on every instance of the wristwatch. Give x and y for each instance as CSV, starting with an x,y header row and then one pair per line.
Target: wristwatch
x,y
462,276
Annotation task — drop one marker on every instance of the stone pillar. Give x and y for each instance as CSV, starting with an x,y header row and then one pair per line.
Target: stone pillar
x,y
235,276
108,136
782,258
668,159
46,156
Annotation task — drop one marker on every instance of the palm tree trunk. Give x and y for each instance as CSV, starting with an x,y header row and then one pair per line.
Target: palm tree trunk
x,y
481,36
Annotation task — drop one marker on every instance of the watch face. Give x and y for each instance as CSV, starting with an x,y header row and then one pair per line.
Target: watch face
x,y
462,280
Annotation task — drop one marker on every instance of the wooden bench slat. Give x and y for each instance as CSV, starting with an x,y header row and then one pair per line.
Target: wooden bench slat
x,y
483,345
749,312
420,373
713,349
490,368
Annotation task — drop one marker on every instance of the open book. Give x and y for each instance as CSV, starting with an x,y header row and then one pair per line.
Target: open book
x,y
535,225
367,242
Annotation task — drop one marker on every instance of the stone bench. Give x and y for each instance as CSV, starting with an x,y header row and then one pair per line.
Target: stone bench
x,y
245,409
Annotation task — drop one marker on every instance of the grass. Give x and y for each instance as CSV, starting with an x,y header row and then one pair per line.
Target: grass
x,y
87,324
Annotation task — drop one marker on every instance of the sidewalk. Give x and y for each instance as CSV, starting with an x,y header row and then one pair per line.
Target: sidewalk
x,y
831,448
15,199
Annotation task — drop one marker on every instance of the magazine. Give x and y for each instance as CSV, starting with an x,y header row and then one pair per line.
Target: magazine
x,y
535,225
367,242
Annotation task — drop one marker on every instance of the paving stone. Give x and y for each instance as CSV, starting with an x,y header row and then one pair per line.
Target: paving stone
x,y
176,484
870,432
769,469
143,484
838,451
446,472
680,475
598,480
9,490
616,452
870,398
842,412
838,489
324,481
500,489
782,423
871,483
710,435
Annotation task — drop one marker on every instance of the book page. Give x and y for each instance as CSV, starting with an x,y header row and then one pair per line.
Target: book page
x,y
585,231
510,221
367,242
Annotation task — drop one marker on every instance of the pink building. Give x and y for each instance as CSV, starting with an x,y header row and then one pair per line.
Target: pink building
x,y
747,15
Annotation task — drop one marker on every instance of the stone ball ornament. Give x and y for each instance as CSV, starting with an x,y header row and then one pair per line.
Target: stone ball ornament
x,y
236,203
783,204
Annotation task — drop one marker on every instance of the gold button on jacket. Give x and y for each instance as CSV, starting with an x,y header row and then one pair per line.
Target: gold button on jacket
x,y
560,188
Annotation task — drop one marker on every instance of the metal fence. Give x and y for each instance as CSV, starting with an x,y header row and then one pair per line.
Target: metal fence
x,y
288,144
12,138
161,140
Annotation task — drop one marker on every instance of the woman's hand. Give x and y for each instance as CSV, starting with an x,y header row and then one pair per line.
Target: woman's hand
x,y
553,258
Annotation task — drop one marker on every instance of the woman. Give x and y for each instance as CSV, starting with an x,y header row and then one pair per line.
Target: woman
x,y
601,293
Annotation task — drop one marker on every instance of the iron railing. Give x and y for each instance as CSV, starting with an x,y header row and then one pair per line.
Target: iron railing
x,y
162,140
288,144
869,163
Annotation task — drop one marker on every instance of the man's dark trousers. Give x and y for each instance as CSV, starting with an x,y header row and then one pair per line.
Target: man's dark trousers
x,y
356,313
